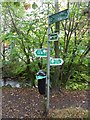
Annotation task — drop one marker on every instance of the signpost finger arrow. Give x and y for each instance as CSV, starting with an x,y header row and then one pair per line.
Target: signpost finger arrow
x,y
56,61
40,52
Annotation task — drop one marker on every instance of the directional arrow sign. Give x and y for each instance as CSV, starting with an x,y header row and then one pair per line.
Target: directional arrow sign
x,y
53,37
62,15
40,52
56,61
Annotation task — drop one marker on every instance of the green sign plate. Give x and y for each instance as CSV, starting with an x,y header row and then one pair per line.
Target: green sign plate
x,y
56,61
62,15
53,37
40,52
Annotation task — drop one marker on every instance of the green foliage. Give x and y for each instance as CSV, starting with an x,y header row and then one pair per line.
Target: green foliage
x,y
12,68
80,86
23,32
79,80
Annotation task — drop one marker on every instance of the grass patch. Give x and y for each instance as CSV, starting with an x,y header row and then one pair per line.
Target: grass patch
x,y
72,112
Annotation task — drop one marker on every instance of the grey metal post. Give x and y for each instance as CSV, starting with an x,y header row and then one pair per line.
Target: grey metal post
x,y
48,68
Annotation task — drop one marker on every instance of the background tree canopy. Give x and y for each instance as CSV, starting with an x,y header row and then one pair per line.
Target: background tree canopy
x,y
23,32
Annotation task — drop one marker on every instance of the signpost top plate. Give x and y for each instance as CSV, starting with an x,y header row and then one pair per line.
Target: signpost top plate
x,y
62,15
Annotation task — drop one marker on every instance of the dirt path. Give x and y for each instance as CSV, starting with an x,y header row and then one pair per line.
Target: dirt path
x,y
28,103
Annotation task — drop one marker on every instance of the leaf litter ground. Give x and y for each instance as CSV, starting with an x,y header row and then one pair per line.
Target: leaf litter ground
x,y
28,103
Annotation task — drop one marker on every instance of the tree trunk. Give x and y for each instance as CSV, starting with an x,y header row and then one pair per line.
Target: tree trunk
x,y
30,78
28,70
56,49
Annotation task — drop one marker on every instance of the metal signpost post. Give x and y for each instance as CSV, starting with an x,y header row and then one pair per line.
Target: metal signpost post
x,y
53,37
48,67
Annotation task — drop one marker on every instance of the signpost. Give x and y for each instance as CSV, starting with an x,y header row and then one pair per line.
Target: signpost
x,y
62,15
40,52
48,69
53,37
46,53
56,61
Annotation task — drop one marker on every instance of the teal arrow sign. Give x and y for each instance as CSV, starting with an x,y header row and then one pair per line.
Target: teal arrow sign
x,y
40,52
56,61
